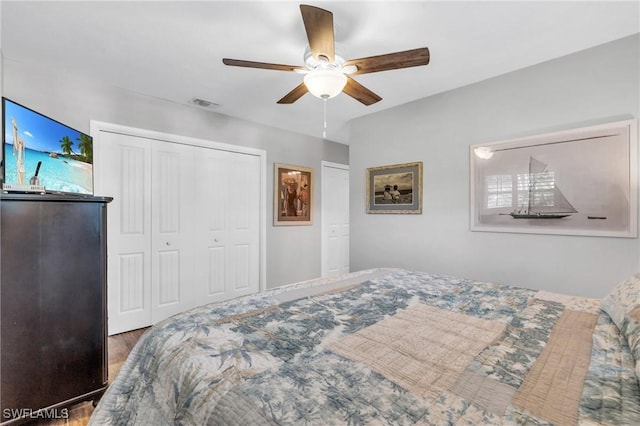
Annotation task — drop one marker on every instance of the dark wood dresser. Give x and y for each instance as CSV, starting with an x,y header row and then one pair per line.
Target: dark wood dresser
x,y
53,300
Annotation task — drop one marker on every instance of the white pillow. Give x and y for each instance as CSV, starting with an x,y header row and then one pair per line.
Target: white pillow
x,y
623,299
623,306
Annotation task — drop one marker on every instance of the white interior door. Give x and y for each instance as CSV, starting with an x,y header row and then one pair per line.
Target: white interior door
x,y
243,225
335,219
123,170
172,207
228,213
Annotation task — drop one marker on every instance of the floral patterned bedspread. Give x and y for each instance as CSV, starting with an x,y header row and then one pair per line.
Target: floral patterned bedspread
x,y
381,346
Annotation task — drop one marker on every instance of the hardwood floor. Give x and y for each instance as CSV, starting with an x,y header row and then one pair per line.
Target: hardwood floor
x,y
119,347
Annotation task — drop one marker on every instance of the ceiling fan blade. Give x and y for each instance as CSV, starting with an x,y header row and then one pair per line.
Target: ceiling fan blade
x,y
319,26
390,61
360,93
263,65
294,95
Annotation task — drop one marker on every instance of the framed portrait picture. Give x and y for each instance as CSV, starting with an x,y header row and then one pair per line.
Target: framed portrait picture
x,y
395,189
293,195
575,182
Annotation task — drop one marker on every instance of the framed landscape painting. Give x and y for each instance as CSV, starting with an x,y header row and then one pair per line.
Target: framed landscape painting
x,y
293,195
395,189
575,182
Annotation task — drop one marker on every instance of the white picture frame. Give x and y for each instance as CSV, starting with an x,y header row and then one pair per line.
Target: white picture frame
x,y
581,181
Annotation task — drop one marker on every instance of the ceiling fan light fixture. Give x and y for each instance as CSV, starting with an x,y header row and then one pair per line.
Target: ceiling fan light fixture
x,y
325,83
326,71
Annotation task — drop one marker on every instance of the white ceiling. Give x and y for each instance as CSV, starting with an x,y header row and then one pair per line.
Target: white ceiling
x,y
174,50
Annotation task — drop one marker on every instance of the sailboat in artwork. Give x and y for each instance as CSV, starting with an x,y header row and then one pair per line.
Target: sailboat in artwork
x,y
544,200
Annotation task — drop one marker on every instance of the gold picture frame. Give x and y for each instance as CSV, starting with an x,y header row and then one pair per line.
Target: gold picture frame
x,y
395,189
293,195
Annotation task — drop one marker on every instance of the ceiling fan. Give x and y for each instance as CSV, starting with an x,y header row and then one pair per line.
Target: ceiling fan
x,y
326,73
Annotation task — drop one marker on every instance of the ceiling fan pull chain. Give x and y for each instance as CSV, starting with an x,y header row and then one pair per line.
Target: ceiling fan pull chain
x,y
324,116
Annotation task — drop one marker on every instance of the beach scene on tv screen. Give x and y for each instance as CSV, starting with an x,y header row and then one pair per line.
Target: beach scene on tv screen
x,y
65,155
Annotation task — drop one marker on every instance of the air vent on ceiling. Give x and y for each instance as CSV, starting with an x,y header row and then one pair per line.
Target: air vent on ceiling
x,y
204,103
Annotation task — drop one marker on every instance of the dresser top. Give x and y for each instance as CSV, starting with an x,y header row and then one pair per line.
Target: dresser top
x,y
15,196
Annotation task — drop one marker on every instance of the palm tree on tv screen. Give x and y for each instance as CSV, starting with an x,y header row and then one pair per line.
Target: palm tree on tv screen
x,y
86,147
66,145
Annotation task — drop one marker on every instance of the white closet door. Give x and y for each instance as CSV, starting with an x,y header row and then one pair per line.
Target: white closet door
x,y
173,202
244,226
228,209
335,219
124,172
184,227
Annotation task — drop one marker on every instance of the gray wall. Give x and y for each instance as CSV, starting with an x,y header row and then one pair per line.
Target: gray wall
x,y
293,252
589,87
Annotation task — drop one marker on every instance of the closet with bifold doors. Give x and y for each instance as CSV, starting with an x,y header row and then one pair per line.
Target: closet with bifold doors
x,y
184,225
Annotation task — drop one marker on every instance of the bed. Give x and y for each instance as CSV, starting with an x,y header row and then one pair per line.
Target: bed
x,y
388,346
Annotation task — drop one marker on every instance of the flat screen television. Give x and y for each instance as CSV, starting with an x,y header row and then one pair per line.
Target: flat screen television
x,y
40,150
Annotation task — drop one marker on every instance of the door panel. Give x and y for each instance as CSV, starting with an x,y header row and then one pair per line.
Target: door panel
x,y
215,280
124,172
168,270
335,222
229,211
172,229
244,223
131,279
212,184
241,265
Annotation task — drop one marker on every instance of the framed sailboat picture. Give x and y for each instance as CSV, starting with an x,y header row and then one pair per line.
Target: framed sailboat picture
x,y
581,181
